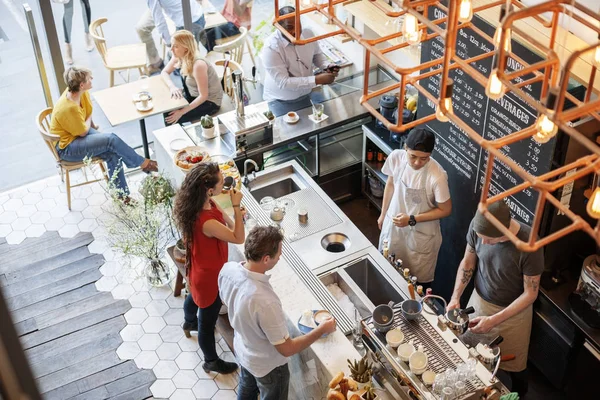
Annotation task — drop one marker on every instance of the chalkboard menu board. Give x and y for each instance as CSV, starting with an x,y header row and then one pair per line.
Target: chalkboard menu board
x,y
464,161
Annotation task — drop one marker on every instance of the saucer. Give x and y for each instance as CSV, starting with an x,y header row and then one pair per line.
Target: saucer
x,y
291,121
178,144
138,105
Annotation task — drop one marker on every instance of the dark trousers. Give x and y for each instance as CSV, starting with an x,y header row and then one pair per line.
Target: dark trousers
x,y
207,321
273,386
220,32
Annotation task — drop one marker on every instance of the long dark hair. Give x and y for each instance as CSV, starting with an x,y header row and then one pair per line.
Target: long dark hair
x,y
192,195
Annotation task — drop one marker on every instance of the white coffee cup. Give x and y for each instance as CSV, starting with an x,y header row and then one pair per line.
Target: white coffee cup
x,y
144,100
277,213
405,350
418,361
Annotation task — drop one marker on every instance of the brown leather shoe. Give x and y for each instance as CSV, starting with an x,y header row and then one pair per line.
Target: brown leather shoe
x,y
151,166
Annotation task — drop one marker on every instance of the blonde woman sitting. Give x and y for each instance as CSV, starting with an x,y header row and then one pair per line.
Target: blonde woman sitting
x,y
201,84
80,138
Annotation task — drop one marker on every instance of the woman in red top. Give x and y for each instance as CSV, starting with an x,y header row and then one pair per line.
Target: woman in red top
x,y
207,230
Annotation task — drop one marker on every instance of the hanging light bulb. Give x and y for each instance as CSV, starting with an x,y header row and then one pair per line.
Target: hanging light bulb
x,y
507,45
447,101
410,30
495,88
465,11
546,129
593,205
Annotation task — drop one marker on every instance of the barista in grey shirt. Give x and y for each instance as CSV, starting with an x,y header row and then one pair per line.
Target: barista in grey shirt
x,y
506,285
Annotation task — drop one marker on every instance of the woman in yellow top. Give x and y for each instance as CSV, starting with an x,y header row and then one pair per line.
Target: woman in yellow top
x,y
201,84
79,137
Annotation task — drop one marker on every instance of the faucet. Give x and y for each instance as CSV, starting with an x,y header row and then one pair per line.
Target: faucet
x,y
246,180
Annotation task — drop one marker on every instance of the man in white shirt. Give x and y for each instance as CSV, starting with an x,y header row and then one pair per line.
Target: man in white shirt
x,y
289,68
153,18
261,339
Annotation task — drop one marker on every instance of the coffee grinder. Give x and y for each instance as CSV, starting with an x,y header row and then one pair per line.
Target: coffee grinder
x,y
388,106
585,300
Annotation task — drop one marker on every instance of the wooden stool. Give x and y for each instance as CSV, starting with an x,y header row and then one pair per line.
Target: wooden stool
x,y
179,284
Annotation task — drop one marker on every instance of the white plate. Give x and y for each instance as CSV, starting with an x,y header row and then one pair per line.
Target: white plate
x,y
178,144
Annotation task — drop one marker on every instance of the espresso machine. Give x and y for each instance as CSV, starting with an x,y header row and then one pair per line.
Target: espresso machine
x,y
585,300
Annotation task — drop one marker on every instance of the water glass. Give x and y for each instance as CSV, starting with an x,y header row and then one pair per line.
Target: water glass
x,y
450,377
144,83
460,388
357,331
447,393
250,223
439,383
318,111
472,364
462,371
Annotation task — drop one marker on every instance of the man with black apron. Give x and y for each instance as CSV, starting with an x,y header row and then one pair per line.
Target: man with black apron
x,y
506,285
415,198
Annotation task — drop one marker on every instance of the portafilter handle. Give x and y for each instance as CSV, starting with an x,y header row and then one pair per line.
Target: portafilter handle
x,y
469,310
499,339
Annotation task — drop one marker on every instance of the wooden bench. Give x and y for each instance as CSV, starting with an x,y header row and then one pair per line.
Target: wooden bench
x,y
223,326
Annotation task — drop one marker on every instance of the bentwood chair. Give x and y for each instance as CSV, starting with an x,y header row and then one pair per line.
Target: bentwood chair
x,y
234,46
118,58
43,125
228,66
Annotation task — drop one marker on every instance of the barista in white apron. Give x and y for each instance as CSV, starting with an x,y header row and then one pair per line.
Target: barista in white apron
x,y
416,196
506,285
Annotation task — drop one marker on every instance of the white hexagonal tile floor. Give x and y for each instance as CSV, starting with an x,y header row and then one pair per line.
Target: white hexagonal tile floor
x,y
153,337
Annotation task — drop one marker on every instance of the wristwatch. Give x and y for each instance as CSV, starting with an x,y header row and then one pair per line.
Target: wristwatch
x,y
412,221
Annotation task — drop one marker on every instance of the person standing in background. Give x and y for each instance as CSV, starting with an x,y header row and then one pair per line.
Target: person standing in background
x,y
238,13
415,198
86,13
153,18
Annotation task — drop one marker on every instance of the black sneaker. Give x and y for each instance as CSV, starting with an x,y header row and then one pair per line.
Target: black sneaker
x,y
189,327
220,366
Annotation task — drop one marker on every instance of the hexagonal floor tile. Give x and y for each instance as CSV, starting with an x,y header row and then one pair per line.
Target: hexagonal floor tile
x,y
110,268
7,217
68,231
45,204
79,204
98,246
185,379
128,350
150,341
210,375
50,192
168,351
26,211
162,388
153,324
60,211
146,359
31,198
15,237
174,317
187,360
205,389
228,356
122,291
160,293
40,217
82,192
13,205
188,344
182,394
35,230
140,299
228,381
132,333
18,193
5,229
97,199
106,283
136,316
92,212
165,369
54,224
20,224
224,394
176,302
171,333
87,225
74,217
157,308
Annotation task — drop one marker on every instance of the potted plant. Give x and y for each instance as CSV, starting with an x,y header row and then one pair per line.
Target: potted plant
x,y
144,227
269,114
361,371
208,127
369,393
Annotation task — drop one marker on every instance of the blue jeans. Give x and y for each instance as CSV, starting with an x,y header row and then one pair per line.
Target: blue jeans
x,y
198,30
273,386
108,147
207,321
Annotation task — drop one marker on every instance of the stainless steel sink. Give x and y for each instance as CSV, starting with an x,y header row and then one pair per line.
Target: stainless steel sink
x,y
277,189
365,285
277,183
372,282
